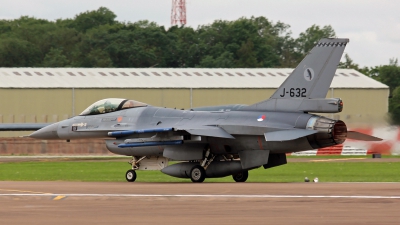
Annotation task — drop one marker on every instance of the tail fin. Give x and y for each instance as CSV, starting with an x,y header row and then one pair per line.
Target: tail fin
x,y
306,88
313,76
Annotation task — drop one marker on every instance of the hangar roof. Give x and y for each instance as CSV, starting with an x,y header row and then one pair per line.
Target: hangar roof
x,y
165,78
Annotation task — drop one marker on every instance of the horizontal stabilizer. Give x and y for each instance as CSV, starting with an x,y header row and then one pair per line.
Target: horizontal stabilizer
x,y
361,137
287,135
207,131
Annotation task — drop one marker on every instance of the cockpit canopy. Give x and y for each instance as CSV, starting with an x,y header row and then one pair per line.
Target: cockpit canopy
x,y
111,105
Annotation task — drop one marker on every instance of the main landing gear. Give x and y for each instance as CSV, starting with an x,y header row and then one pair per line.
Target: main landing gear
x,y
131,174
198,172
241,177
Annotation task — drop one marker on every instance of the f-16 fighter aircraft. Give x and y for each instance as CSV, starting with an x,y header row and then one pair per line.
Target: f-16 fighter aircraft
x,y
224,140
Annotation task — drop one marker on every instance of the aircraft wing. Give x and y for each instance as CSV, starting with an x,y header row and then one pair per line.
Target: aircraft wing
x,y
22,126
288,135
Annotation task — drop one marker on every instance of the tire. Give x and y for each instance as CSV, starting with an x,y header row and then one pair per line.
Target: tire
x,y
130,175
197,174
241,177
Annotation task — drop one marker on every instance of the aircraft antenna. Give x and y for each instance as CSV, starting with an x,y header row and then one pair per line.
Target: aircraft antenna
x,y
178,12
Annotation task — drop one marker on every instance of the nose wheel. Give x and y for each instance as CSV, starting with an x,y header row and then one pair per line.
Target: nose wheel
x,y
130,175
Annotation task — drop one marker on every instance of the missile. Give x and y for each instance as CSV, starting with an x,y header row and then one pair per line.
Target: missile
x,y
146,144
129,132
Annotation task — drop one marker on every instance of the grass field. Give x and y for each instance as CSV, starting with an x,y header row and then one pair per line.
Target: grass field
x,y
115,171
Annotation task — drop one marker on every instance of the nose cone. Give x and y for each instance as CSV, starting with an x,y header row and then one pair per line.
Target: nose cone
x,y
48,132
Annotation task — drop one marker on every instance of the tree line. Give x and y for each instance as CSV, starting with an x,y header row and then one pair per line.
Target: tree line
x,y
96,39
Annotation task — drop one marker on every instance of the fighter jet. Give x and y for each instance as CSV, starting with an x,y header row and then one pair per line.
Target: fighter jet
x,y
224,140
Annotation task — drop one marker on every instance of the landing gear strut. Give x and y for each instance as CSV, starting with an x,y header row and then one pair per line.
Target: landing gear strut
x,y
130,175
198,172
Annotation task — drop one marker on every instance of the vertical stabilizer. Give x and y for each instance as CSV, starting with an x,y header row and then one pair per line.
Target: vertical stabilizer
x,y
313,76
306,87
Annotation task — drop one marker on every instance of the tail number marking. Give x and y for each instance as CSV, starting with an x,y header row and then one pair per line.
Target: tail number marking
x,y
294,92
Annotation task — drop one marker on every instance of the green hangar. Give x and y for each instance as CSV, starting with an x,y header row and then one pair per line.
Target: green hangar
x,y
46,95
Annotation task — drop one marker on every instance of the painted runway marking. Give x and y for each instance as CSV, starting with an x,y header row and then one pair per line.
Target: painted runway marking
x,y
22,191
327,160
59,197
206,196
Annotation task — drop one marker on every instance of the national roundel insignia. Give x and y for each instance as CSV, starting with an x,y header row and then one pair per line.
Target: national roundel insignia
x,y
261,118
309,74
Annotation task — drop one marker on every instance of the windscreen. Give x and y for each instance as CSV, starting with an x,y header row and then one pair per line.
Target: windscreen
x,y
111,105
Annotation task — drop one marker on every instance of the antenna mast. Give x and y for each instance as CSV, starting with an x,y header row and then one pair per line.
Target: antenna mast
x,y
178,12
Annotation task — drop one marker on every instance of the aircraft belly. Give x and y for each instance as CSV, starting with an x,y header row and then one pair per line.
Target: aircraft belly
x,y
240,143
300,144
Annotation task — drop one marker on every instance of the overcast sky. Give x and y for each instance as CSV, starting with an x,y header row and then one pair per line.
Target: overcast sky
x,y
373,26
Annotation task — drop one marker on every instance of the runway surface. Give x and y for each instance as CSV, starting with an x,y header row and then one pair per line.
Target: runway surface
x,y
206,203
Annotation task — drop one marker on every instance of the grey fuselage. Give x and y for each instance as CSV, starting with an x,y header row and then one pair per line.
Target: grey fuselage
x,y
247,128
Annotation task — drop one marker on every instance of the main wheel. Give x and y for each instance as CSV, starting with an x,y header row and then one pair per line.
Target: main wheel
x,y
130,175
197,174
241,177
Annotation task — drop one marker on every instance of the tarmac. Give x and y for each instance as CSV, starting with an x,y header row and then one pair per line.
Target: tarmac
x,y
206,203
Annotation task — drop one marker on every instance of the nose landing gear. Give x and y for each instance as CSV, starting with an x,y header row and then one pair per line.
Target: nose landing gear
x,y
130,175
